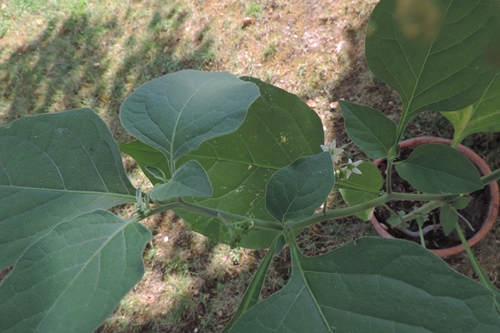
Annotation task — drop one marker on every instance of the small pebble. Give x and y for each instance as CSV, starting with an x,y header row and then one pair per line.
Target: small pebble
x,y
311,103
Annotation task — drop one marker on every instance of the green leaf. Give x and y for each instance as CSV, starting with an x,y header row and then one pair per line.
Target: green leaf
x,y
433,52
439,169
73,278
189,180
461,203
147,156
394,220
448,218
420,221
482,116
296,191
239,167
54,167
369,129
361,188
252,293
177,112
374,285
157,173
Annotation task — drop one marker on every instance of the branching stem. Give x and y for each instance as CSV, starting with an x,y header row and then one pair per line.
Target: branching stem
x,y
436,201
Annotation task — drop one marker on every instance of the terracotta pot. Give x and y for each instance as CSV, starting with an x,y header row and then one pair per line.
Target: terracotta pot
x,y
483,170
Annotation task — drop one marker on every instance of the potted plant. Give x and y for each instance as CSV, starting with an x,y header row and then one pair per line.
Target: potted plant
x,y
486,207
243,162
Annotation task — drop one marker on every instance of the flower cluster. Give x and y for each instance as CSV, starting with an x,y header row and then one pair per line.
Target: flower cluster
x,y
347,169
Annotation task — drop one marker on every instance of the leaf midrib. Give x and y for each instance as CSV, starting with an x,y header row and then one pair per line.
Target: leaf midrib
x,y
377,137
410,100
297,254
179,117
81,192
299,189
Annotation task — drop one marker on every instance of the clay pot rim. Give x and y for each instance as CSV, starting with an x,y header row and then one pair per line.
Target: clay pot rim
x,y
484,170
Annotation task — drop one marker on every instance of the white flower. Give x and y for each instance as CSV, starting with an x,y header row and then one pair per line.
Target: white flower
x,y
332,149
352,167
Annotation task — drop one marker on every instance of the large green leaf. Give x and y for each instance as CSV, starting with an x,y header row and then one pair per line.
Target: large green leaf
x,y
296,191
439,169
189,180
361,188
54,167
175,113
73,278
369,129
374,285
433,52
278,129
482,116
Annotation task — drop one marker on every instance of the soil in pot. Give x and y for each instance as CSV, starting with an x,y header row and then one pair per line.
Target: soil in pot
x,y
475,213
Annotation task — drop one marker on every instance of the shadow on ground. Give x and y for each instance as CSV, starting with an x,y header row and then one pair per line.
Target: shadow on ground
x,y
73,64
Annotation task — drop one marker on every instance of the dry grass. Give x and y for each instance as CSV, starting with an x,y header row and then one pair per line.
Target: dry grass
x,y
56,57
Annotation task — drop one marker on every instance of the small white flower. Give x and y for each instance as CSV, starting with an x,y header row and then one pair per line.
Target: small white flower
x,y
333,150
352,168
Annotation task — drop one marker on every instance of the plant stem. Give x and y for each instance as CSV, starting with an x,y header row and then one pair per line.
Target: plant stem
x,y
455,142
191,207
465,220
483,277
421,234
160,209
391,211
493,176
392,152
422,197
422,210
437,201
480,273
340,212
388,175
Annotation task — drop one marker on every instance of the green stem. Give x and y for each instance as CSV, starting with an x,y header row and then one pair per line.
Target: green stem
x,y
437,200
422,210
491,177
390,210
392,152
213,213
342,212
388,174
421,197
160,209
483,277
456,141
403,121
480,273
422,241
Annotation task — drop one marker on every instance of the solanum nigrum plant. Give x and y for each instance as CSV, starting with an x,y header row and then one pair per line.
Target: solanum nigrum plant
x,y
245,163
